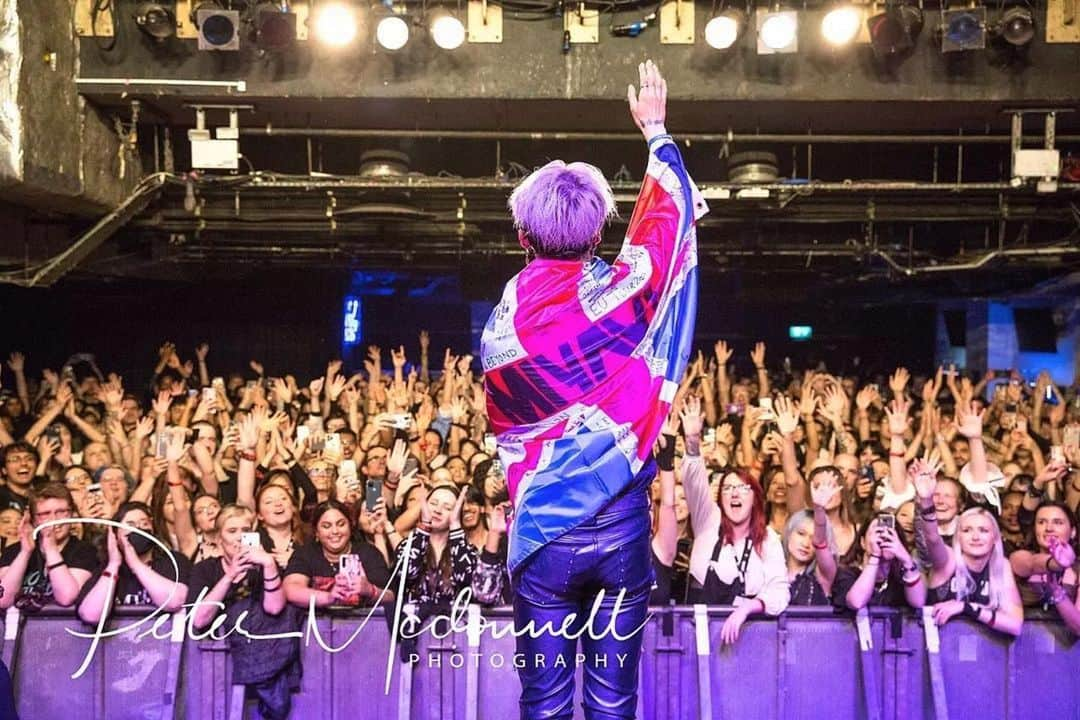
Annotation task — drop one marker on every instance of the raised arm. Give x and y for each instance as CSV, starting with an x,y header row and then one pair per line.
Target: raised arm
x,y
787,419
923,476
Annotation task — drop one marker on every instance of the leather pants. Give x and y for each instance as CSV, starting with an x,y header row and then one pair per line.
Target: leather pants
x,y
609,552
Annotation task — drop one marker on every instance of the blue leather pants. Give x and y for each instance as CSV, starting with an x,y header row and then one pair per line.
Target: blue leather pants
x,y
609,552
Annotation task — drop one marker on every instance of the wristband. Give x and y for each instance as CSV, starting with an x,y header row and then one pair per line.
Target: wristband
x,y
897,454
822,546
108,573
176,484
665,459
50,568
271,589
266,580
913,582
246,455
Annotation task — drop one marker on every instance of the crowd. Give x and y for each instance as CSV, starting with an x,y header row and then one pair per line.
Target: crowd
x,y
781,488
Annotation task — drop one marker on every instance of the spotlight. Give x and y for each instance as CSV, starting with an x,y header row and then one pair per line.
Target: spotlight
x,y
156,20
894,31
840,25
392,32
447,30
335,24
275,26
722,31
218,29
1017,26
963,30
778,31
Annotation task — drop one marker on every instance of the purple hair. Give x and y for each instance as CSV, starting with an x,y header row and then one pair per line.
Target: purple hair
x,y
562,208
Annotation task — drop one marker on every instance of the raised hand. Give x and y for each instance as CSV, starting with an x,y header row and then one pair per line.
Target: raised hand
x,y
282,391
968,421
201,351
723,352
256,367
497,519
425,341
825,487
455,514
898,381
923,477
648,104
691,417
1062,552
17,362
397,357
175,447
897,412
144,427
336,386
787,415
395,460
758,355
315,386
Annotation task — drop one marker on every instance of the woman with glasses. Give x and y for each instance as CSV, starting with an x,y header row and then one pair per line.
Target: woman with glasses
x,y
55,567
734,559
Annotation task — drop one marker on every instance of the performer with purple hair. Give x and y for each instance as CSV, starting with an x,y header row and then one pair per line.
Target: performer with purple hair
x,y
582,360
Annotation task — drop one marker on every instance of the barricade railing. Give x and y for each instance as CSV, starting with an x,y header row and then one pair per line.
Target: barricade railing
x,y
808,663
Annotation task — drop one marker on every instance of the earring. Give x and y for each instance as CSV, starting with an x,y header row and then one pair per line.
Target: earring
x,y
530,254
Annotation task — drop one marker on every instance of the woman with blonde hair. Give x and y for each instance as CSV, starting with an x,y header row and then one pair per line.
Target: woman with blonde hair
x,y
973,578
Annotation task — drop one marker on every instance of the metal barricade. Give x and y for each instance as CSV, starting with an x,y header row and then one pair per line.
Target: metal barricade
x,y
805,664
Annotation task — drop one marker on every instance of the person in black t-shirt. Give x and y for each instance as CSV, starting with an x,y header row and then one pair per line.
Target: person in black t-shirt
x,y
55,568
137,572
244,570
888,576
316,570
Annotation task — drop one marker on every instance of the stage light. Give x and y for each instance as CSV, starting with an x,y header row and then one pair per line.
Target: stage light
x,y
963,30
800,332
392,32
778,31
275,26
447,31
156,20
335,24
722,31
840,25
1017,25
218,29
894,31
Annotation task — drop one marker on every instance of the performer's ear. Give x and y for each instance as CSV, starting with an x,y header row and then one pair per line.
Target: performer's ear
x,y
523,240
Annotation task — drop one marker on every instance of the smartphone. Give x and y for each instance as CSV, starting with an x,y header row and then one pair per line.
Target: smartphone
x,y
489,443
315,423
192,393
94,489
1010,407
332,444
209,395
303,432
887,520
372,493
710,436
349,565
766,402
1057,453
1021,423
250,539
1071,435
734,409
347,474
53,432
509,512
162,443
218,383
401,421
